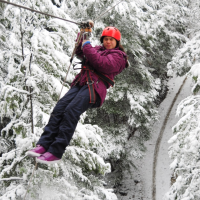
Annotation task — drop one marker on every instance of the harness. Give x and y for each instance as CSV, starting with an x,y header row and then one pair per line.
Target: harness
x,y
105,79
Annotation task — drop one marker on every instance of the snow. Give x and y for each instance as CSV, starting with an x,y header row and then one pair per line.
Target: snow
x,y
51,52
165,165
173,165
11,178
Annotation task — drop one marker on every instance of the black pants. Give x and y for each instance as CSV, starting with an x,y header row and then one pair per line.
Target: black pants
x,y
64,118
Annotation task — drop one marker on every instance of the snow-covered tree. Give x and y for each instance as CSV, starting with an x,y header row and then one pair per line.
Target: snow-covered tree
x,y
184,149
35,61
150,34
35,53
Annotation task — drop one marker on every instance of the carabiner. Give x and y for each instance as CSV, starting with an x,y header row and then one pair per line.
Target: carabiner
x,y
89,83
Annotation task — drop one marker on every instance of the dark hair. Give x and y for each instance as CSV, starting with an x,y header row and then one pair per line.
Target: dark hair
x,y
120,48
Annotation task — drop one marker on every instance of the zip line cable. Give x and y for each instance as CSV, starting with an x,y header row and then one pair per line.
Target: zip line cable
x,y
101,15
42,13
80,24
32,10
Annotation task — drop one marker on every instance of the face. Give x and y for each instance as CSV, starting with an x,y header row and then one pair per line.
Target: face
x,y
109,42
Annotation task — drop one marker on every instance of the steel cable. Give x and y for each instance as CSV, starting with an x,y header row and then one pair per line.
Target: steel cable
x,y
36,11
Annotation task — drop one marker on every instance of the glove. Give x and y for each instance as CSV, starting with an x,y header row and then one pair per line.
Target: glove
x,y
87,26
86,36
87,31
91,23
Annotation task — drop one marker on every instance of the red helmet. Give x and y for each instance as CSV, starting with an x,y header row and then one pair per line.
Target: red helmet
x,y
111,31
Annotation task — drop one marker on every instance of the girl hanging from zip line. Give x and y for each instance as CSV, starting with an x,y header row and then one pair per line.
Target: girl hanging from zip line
x,y
88,90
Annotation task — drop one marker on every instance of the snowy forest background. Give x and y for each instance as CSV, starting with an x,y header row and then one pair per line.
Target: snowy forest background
x,y
161,38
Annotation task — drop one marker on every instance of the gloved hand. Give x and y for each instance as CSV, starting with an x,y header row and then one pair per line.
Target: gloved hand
x,y
91,23
87,32
87,26
85,41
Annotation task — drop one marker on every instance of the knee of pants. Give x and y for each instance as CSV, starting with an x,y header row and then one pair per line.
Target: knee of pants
x,y
78,106
58,109
56,113
72,114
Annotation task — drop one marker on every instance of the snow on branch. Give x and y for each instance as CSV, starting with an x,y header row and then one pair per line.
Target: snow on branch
x,y
16,89
11,179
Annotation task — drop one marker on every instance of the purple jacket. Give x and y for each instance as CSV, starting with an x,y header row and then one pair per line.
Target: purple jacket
x,y
107,61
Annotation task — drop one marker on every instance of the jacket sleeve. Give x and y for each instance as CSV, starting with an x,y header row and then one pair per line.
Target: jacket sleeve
x,y
113,62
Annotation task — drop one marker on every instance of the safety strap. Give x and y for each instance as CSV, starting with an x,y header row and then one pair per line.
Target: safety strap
x,y
90,84
106,80
91,87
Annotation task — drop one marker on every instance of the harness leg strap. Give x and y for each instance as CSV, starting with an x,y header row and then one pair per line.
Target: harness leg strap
x,y
91,88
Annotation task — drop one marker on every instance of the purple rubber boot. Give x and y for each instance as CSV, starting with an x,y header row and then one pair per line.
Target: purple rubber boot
x,y
47,158
36,152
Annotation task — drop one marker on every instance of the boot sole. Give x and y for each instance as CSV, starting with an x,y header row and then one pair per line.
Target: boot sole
x,y
33,154
47,162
